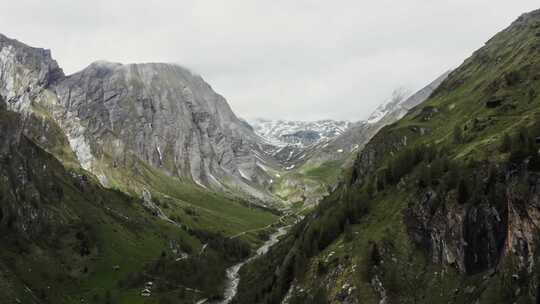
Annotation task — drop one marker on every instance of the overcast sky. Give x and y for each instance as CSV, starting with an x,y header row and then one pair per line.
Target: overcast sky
x,y
276,59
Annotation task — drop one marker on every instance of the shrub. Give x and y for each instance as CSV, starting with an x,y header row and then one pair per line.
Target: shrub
x,y
458,135
506,145
463,192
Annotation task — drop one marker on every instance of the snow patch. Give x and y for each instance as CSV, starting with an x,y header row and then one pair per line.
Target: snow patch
x,y
199,183
273,131
103,180
376,116
215,179
290,154
243,175
159,155
262,167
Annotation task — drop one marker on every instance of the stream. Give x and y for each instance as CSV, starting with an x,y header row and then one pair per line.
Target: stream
x,y
233,276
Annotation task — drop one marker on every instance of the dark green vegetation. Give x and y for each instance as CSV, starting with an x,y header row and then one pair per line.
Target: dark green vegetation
x,y
441,206
66,239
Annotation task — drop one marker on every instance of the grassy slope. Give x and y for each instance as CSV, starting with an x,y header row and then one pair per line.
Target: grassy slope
x,y
50,269
308,182
190,204
508,68
461,102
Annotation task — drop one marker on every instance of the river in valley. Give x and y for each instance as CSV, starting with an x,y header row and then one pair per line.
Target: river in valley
x,y
233,275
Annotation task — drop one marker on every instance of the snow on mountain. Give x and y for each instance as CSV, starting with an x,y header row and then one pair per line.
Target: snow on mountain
x,y
399,96
294,142
298,133
402,101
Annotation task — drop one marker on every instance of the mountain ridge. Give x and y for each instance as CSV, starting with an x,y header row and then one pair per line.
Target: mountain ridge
x,y
313,172
286,132
441,205
161,113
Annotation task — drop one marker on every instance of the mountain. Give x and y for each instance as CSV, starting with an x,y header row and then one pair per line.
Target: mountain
x,y
298,133
160,114
387,113
440,206
99,191
165,116
313,172
394,105
25,72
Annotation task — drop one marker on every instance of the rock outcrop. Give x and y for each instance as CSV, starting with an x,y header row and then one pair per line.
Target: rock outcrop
x,y
30,189
474,238
24,72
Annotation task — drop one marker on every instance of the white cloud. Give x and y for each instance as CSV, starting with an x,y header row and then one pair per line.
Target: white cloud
x,y
277,59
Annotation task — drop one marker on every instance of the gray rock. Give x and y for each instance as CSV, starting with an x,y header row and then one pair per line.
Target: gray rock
x,y
169,118
24,71
161,114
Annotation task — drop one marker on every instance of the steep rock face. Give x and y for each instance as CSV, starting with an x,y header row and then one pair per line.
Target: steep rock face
x,y
29,189
167,116
24,71
474,238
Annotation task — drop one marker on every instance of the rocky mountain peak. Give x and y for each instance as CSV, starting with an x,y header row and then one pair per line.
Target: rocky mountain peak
x,y
167,116
156,113
25,71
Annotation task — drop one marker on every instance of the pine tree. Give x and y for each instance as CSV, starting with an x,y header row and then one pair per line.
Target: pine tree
x,y
463,192
347,230
300,264
425,176
370,188
458,135
532,94
321,268
506,145
452,179
320,296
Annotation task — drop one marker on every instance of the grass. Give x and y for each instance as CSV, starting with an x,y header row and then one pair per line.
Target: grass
x,y
218,212
327,172
307,184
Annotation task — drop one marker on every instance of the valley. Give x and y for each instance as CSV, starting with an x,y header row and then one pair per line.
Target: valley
x,y
137,183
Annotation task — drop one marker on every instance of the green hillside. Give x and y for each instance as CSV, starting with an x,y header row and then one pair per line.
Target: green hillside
x,y
66,239
441,206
